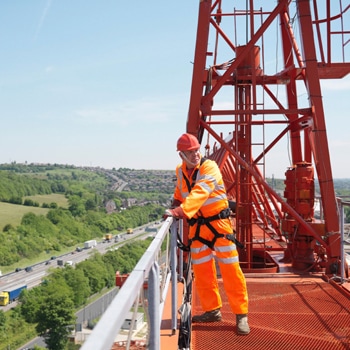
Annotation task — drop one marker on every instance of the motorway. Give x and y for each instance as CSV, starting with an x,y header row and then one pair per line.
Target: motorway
x,y
41,269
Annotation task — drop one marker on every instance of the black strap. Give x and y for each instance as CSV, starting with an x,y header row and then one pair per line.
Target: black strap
x,y
181,245
225,213
194,176
211,243
232,237
206,221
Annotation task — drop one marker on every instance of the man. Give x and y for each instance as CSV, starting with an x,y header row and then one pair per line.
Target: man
x,y
200,197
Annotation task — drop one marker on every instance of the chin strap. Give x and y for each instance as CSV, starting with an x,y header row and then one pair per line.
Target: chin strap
x,y
183,156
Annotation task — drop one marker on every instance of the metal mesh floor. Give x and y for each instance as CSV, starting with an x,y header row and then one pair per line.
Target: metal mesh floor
x,y
303,314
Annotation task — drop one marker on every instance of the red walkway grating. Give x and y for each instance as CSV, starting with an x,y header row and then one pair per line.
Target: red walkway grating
x,y
305,314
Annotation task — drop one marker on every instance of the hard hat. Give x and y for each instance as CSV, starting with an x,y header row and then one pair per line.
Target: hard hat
x,y
187,142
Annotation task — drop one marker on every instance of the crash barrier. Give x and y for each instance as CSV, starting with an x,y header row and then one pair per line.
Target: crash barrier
x,y
156,269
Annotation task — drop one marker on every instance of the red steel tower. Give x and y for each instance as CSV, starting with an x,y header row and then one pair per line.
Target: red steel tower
x,y
256,86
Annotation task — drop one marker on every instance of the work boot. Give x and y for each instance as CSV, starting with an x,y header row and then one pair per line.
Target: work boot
x,y
242,324
209,316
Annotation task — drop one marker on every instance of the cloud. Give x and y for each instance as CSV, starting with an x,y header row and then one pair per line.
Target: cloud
x,y
144,110
42,18
49,69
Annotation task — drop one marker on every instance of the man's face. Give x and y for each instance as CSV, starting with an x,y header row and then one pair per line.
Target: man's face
x,y
192,158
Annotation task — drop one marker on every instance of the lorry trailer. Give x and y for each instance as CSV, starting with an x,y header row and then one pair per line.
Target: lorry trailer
x,y
11,294
108,237
90,244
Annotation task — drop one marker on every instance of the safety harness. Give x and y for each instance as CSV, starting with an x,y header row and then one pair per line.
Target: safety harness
x,y
201,220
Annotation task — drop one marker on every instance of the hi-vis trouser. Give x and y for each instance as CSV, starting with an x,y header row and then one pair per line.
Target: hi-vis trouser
x,y
204,269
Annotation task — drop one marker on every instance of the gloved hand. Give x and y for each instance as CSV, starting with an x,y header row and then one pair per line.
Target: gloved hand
x,y
176,213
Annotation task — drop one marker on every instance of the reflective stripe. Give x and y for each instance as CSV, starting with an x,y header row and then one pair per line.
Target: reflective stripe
x,y
205,186
207,177
225,248
228,260
217,198
221,187
184,194
205,181
202,260
203,248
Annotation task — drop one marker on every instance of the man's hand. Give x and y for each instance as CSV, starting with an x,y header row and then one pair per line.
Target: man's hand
x,y
175,203
176,213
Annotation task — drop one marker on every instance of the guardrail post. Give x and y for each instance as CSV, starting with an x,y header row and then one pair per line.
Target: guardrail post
x,y
153,307
181,253
173,265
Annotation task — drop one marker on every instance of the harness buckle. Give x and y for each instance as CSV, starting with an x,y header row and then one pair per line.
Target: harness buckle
x,y
201,220
225,213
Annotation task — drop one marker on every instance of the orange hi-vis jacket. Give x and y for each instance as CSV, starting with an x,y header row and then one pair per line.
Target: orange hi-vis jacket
x,y
206,198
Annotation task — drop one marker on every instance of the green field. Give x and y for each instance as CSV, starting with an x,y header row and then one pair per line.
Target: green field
x,y
60,199
13,213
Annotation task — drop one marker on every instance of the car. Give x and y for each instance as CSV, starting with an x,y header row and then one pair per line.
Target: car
x,y
28,269
53,257
18,269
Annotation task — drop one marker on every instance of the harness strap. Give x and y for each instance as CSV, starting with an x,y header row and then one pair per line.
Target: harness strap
x,y
211,243
206,221
200,220
225,213
194,176
181,245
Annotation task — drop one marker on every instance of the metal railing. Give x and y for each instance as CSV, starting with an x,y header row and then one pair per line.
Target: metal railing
x,y
147,269
341,205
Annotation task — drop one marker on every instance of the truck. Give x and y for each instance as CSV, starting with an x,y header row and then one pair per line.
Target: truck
x,y
129,231
90,244
108,237
11,294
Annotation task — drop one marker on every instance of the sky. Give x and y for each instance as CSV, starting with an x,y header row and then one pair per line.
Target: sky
x,y
107,83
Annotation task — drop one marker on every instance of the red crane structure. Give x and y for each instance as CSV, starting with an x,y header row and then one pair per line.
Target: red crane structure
x,y
256,84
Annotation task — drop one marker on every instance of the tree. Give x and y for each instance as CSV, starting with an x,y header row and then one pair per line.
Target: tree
x,y
56,317
76,205
3,326
31,302
90,204
79,284
347,214
96,271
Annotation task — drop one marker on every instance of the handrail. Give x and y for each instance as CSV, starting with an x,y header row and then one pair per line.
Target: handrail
x,y
341,205
104,334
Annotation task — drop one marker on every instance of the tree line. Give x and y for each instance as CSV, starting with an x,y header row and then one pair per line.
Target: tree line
x,y
84,219
49,309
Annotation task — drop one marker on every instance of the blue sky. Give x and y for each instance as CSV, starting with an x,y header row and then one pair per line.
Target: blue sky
x,y
107,83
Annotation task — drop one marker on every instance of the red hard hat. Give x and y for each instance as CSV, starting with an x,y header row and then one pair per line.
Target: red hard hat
x,y
187,142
